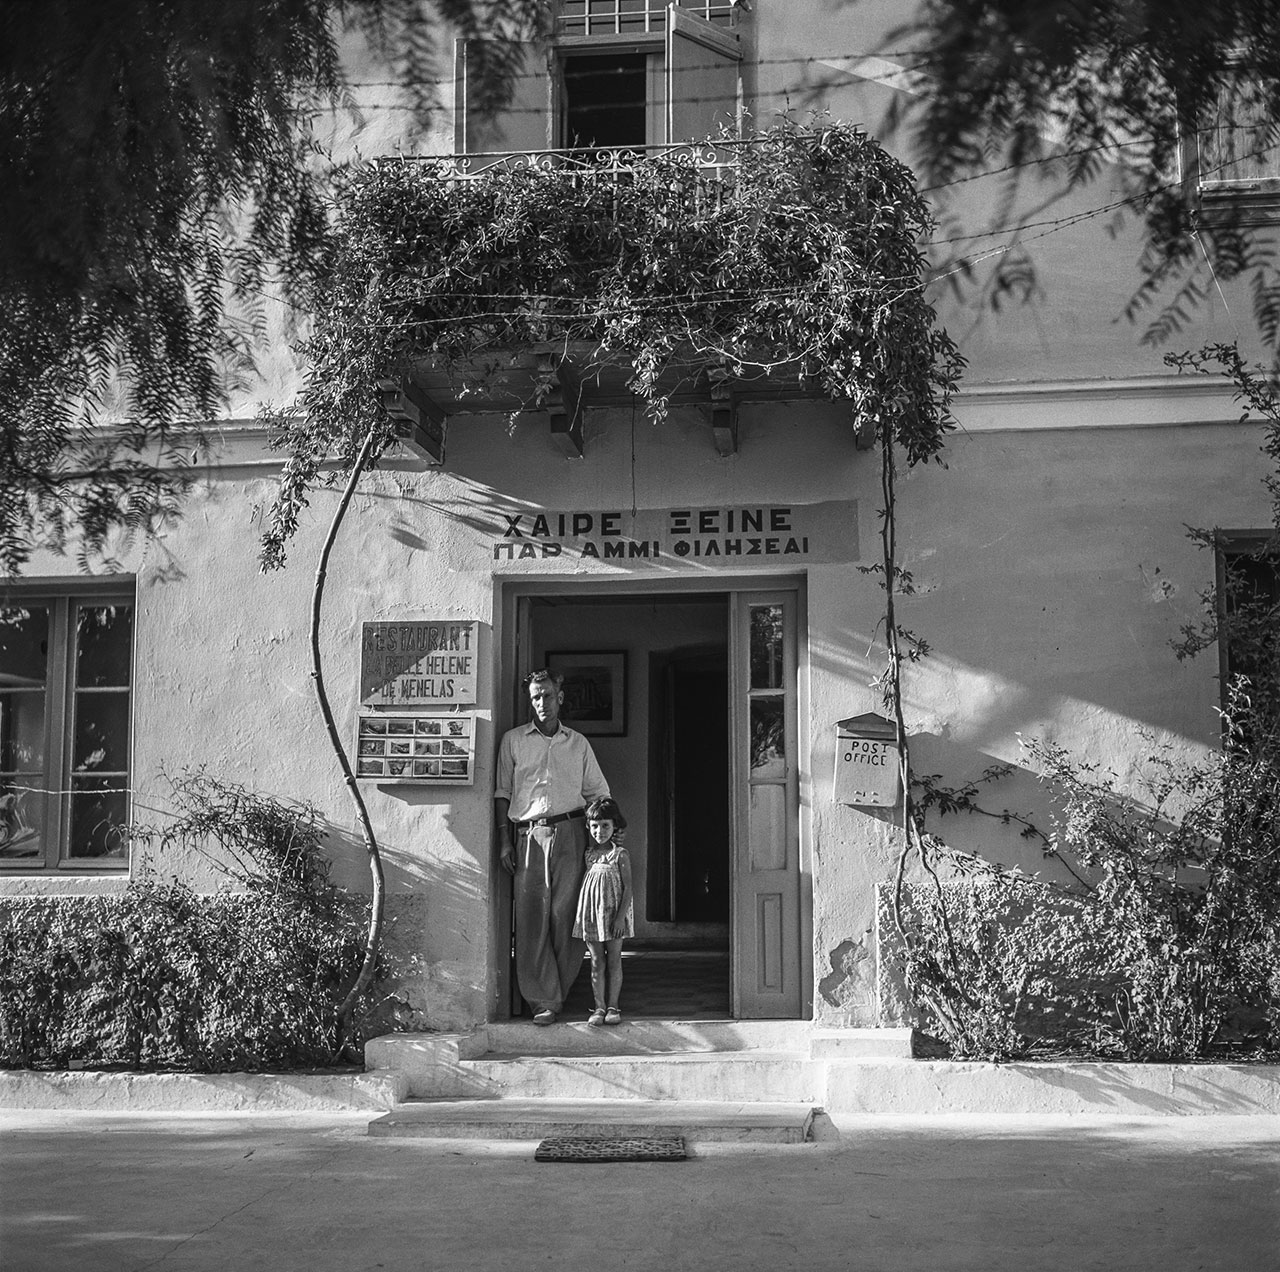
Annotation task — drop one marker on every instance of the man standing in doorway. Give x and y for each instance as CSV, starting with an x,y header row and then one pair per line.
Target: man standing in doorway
x,y
547,773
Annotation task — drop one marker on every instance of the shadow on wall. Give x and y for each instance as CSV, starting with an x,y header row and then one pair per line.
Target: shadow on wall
x,y
434,934
1006,816
1045,597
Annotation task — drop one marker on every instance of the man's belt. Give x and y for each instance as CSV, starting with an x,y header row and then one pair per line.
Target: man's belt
x,y
549,821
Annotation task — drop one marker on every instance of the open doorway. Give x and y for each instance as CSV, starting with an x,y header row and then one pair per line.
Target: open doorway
x,y
690,701
665,753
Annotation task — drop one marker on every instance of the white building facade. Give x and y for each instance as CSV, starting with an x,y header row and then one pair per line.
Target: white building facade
x,y
700,584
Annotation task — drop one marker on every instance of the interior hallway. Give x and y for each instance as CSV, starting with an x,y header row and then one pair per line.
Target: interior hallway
x,y
663,985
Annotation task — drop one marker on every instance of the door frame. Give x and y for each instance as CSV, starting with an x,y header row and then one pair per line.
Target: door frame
x,y
510,653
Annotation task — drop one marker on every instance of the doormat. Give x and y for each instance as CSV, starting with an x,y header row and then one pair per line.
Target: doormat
x,y
595,1148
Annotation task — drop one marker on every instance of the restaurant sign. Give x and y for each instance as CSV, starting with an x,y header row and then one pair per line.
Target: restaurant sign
x,y
425,663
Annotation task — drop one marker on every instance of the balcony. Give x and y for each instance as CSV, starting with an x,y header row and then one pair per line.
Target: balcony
x,y
785,266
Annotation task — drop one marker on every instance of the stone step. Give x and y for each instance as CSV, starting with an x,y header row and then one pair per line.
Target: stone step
x,y
694,1076
639,1059
510,1119
638,1037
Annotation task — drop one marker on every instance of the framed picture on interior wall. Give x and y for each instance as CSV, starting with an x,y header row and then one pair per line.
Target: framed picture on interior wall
x,y
595,689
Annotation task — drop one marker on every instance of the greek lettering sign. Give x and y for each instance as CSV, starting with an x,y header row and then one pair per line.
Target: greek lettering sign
x,y
683,539
418,664
416,750
866,762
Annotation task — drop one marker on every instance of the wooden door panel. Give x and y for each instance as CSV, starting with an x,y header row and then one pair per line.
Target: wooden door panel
x,y
765,775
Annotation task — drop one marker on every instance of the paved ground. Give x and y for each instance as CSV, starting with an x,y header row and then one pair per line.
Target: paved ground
x,y
112,1192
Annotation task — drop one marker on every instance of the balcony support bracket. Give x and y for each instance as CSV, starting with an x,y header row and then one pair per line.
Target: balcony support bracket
x,y
564,405
722,414
418,420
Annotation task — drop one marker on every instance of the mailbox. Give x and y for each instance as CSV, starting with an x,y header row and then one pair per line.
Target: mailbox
x,y
867,761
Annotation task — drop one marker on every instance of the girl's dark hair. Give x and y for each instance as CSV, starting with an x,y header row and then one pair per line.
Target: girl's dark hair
x,y
606,809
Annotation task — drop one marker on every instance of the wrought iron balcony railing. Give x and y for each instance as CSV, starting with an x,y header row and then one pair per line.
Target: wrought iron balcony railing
x,y
716,159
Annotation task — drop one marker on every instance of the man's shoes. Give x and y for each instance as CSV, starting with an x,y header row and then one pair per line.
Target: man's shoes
x,y
613,1016
544,1017
596,1017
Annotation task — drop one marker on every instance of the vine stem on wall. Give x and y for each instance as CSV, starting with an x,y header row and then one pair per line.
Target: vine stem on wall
x,y
374,935
912,836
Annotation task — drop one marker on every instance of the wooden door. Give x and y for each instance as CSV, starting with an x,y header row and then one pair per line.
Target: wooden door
x,y
766,802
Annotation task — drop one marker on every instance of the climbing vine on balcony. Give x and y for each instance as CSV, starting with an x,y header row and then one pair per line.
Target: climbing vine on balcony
x,y
796,253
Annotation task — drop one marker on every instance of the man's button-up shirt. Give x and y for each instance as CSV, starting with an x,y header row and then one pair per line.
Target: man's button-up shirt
x,y
541,776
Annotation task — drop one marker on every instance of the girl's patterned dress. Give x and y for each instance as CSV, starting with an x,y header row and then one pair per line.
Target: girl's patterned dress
x,y
601,893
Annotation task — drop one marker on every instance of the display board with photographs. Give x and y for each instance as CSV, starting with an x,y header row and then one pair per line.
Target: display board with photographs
x,y
422,750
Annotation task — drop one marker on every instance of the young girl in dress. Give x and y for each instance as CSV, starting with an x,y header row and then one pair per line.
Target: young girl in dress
x,y
605,912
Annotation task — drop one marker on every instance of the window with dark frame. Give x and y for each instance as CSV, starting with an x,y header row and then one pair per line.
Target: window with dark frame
x,y
66,675
1248,567
614,76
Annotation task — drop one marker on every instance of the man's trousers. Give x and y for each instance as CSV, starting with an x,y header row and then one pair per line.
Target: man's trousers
x,y
549,864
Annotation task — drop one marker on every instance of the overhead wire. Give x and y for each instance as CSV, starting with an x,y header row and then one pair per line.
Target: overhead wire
x,y
827,61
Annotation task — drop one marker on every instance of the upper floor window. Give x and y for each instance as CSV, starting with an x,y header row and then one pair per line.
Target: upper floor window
x,y
1235,158
66,673
618,73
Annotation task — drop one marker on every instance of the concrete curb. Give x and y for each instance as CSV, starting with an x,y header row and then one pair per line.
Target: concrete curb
x,y
929,1087
201,1092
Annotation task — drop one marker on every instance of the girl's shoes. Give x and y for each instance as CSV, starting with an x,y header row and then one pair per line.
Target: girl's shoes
x,y
598,1017
612,1017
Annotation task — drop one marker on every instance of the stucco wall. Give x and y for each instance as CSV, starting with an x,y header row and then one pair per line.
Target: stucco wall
x,y
1052,567
853,61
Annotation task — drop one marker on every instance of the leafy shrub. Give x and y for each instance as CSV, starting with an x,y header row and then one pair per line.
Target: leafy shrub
x,y
1169,951
245,978
1002,967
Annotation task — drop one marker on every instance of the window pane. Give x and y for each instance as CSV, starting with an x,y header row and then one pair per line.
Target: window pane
x,y
102,733
104,637
21,820
766,646
21,732
631,15
768,739
99,810
24,646
767,827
